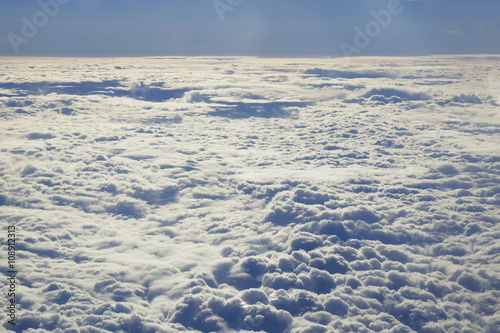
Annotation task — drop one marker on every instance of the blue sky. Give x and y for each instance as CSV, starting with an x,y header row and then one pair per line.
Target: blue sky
x,y
252,27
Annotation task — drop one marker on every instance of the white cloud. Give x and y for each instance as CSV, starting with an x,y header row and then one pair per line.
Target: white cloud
x,y
252,195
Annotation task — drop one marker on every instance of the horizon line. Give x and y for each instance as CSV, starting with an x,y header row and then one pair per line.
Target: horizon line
x,y
254,56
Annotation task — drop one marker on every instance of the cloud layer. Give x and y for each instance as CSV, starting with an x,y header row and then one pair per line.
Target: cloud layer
x,y
246,194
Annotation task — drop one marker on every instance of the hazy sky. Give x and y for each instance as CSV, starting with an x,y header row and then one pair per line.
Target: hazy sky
x,y
247,27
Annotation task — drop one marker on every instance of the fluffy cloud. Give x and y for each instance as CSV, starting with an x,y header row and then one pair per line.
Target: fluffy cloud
x,y
203,194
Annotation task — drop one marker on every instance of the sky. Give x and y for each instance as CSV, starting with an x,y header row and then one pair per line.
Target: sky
x,y
247,27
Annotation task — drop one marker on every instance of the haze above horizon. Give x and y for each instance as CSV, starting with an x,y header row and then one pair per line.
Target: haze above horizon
x,y
242,27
